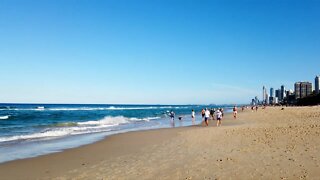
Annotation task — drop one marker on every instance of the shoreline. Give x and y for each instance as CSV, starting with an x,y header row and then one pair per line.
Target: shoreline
x,y
106,148
262,144
105,137
55,128
93,138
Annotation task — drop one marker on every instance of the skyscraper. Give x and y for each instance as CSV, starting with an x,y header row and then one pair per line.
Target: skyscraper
x,y
264,93
316,85
256,100
302,89
282,93
253,102
278,93
271,92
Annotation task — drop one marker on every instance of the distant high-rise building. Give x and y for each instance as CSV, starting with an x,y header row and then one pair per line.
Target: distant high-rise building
x,y
297,90
267,98
271,92
302,89
253,102
278,93
256,100
264,93
289,92
282,93
316,85
271,99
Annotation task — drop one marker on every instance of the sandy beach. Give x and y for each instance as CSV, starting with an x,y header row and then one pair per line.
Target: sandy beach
x,y
268,144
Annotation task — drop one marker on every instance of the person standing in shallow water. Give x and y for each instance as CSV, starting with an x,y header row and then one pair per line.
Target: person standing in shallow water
x,y
207,116
202,114
212,114
193,116
172,114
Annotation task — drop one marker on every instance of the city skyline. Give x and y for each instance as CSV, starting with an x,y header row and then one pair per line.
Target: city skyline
x,y
154,52
300,90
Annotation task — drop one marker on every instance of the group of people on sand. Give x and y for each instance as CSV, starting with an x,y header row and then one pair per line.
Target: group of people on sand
x,y
209,114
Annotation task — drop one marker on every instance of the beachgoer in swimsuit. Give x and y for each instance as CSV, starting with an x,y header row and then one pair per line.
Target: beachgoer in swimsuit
x,y
206,116
221,110
219,117
212,113
202,114
235,112
172,114
193,117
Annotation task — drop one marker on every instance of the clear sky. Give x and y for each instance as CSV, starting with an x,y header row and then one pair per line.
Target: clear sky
x,y
155,51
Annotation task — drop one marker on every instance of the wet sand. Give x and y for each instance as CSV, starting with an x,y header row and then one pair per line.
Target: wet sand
x,y
268,144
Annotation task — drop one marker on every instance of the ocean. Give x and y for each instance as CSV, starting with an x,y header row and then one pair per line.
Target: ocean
x,y
30,130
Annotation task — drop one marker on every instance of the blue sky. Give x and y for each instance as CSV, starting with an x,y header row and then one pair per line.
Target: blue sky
x,y
155,52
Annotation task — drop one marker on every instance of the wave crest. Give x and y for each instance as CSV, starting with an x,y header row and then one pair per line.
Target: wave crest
x,y
109,120
73,128
4,117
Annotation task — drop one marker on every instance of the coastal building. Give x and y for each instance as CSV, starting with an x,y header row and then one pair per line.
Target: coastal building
x,y
277,92
264,95
271,92
267,98
271,101
256,100
253,102
289,92
302,89
282,93
316,85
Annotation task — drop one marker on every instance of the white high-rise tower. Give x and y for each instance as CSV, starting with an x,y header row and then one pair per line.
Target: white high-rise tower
x,y
264,95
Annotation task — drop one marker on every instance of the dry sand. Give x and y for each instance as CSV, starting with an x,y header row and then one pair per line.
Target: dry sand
x,y
268,144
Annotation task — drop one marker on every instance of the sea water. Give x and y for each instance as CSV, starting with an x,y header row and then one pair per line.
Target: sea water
x,y
29,130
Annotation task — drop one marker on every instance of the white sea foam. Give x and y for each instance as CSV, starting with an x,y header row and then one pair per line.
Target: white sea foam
x,y
108,120
56,132
4,117
102,125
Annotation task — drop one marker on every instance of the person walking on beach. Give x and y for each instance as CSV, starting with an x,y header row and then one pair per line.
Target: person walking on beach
x,y
212,113
221,110
193,116
219,117
235,112
206,116
203,113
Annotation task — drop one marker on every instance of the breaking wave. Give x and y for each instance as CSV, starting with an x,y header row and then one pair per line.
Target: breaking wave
x,y
4,117
73,128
